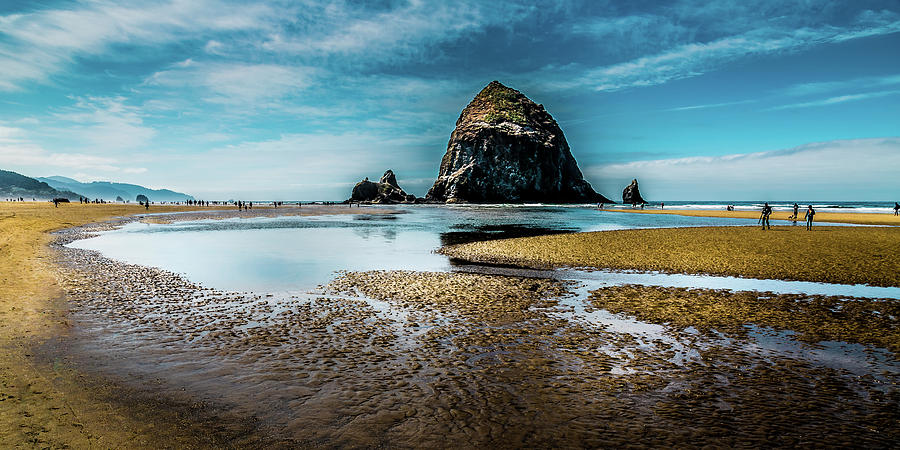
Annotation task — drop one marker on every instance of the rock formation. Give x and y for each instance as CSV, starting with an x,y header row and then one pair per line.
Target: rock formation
x,y
507,149
631,195
385,191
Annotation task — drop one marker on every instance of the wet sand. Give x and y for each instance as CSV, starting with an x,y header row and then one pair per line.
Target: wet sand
x,y
45,401
420,359
845,255
460,360
828,217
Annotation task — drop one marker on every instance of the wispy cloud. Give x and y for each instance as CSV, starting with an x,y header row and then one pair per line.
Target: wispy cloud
x,y
104,123
240,83
837,100
822,87
696,58
16,149
804,172
42,43
710,105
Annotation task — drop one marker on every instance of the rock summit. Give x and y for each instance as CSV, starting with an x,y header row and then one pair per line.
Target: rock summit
x,y
508,149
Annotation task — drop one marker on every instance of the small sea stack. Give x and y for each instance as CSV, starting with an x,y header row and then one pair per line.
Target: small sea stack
x,y
385,191
508,149
631,195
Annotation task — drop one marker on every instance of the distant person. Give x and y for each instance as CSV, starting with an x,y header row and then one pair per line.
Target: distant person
x,y
662,206
764,217
147,205
896,208
56,203
810,212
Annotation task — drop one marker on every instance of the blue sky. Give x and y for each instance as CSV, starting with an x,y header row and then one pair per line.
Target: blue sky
x,y
698,100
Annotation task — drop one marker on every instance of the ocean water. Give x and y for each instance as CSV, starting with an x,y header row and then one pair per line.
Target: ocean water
x,y
296,254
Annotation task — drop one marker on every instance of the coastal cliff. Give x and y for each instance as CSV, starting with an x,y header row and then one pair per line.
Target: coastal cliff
x,y
507,149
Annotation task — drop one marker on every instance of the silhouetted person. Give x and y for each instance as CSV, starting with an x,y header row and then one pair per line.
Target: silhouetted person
x,y
55,203
810,212
764,217
896,208
796,212
662,206
147,205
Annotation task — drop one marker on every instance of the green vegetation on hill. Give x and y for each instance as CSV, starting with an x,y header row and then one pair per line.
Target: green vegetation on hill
x,y
14,185
507,105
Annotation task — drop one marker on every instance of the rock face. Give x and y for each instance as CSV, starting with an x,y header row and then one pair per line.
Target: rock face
x,y
507,149
385,191
631,195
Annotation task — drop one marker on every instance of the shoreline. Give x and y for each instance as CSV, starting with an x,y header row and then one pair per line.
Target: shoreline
x,y
826,217
47,401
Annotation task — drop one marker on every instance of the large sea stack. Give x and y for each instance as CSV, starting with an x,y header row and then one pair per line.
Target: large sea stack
x,y
507,149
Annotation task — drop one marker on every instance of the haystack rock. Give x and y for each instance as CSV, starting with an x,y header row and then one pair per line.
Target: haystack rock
x,y
631,195
507,149
385,191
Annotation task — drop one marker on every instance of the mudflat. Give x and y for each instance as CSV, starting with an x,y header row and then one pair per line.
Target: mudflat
x,y
847,255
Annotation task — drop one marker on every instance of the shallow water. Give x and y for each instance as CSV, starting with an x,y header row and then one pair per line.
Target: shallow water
x,y
295,254
348,370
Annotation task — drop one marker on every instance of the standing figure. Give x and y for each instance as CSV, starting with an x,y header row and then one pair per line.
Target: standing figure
x,y
662,205
896,208
810,212
796,211
764,217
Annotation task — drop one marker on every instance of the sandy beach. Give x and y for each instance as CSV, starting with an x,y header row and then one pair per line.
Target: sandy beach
x,y
47,402
832,217
442,359
847,255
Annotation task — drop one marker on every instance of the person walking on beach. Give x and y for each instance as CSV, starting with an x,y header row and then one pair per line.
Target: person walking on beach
x,y
662,205
764,217
810,212
56,203
896,208
147,205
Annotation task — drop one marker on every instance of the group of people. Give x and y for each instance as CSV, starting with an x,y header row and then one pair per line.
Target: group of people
x,y
767,211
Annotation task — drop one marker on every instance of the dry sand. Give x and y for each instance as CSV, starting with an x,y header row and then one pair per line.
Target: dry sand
x,y
848,255
832,217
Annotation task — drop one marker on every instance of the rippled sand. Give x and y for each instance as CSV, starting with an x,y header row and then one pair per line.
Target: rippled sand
x,y
413,359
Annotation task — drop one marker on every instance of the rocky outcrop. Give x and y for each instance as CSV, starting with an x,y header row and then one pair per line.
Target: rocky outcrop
x,y
631,195
507,149
385,191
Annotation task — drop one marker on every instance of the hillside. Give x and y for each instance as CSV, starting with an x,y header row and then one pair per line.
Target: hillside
x,y
15,185
109,191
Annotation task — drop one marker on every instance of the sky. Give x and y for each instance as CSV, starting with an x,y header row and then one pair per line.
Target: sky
x,y
299,100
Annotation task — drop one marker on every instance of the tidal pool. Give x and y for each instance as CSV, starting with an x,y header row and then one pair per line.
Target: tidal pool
x,y
295,254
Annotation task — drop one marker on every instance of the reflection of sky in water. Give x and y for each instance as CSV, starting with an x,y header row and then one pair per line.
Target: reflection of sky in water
x,y
298,253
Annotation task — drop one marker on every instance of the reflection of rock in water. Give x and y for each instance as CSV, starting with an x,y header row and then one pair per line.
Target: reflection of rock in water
x,y
457,360
472,233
